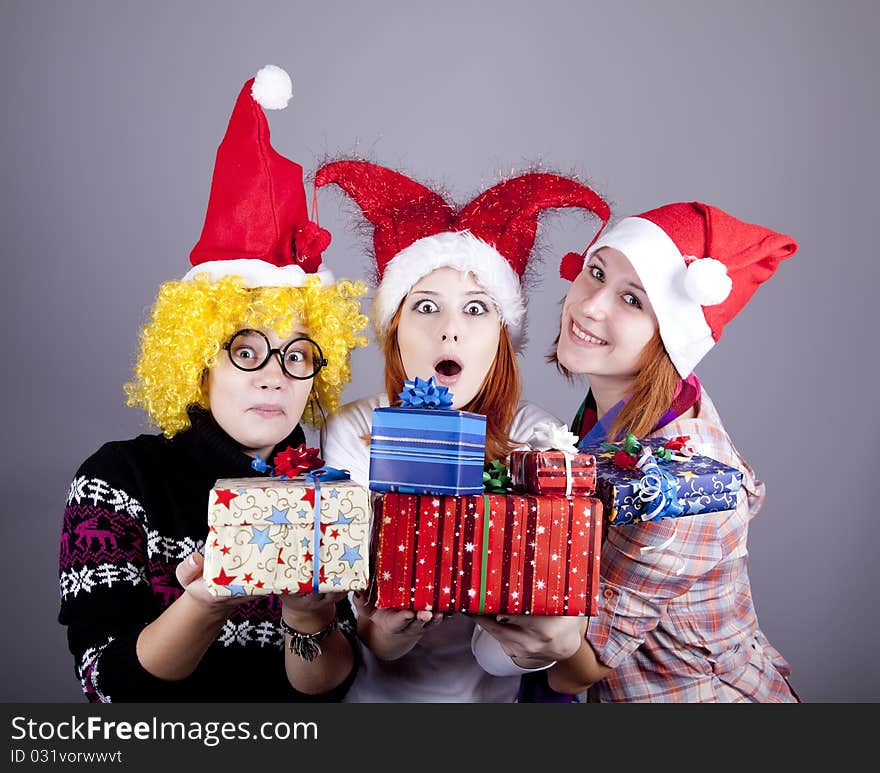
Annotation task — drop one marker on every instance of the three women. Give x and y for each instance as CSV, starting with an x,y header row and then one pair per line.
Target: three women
x,y
258,334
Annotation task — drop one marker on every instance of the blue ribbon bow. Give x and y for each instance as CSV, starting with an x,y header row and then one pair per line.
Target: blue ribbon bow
x,y
418,393
658,489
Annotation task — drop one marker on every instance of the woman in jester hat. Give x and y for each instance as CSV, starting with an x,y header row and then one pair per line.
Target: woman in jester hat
x,y
449,304
141,623
648,299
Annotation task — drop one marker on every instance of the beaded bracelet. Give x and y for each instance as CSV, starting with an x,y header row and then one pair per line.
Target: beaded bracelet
x,y
305,645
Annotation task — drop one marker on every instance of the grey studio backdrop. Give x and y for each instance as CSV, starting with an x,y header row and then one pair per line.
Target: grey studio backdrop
x,y
112,115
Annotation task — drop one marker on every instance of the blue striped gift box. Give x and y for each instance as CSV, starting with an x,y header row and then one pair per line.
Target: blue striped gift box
x,y
424,451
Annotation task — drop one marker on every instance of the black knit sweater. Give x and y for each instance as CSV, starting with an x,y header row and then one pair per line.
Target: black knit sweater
x,y
135,509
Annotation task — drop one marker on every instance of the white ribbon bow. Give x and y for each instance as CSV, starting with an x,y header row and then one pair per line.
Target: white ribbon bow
x,y
547,436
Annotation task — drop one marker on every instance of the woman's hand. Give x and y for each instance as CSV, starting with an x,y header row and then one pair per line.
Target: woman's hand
x,y
533,641
189,575
397,622
172,646
391,633
309,612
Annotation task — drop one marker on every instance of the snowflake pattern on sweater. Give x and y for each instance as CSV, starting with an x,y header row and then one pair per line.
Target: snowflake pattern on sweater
x,y
135,509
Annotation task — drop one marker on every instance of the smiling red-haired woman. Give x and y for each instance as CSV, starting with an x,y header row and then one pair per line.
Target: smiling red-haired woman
x,y
676,619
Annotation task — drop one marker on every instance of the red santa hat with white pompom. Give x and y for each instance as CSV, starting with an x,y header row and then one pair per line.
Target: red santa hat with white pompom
x,y
257,225
699,266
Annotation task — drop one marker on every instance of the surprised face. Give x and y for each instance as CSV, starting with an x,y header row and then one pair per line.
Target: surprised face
x,y
257,408
449,329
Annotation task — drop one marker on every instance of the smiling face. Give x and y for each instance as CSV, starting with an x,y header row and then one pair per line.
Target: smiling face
x,y
257,408
607,320
449,329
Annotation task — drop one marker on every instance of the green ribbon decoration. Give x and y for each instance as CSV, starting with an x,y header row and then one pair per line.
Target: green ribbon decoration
x,y
664,454
631,444
633,448
496,479
484,568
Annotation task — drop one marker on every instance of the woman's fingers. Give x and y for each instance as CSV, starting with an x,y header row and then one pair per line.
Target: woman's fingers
x,y
500,629
189,569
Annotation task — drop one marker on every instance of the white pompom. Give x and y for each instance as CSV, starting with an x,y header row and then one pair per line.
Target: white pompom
x,y
272,88
706,281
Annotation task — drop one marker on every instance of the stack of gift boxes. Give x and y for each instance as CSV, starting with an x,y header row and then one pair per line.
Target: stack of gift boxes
x,y
449,533
449,536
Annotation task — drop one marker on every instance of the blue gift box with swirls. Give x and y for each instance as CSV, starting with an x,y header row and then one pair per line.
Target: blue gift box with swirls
x,y
704,486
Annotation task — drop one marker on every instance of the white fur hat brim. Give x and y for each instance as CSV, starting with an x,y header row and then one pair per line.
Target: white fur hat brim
x,y
661,267
257,273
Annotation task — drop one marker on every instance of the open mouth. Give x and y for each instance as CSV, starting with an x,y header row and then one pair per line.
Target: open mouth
x,y
448,368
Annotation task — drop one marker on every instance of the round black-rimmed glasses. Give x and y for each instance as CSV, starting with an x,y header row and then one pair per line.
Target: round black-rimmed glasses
x,y
300,358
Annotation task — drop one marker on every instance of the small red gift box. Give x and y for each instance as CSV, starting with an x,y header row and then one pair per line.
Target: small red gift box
x,y
553,472
487,554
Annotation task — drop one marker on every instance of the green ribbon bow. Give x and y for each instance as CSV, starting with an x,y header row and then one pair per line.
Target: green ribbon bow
x,y
631,445
663,453
496,479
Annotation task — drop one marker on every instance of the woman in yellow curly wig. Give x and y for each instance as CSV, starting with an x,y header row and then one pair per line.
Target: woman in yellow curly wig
x,y
256,336
170,372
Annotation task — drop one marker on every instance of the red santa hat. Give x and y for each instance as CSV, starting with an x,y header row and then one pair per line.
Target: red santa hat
x,y
257,226
415,231
699,266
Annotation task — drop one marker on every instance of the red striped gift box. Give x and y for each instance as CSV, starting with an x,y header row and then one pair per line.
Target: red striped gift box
x,y
532,554
546,472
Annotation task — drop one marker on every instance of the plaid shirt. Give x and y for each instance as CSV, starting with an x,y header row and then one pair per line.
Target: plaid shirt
x,y
676,620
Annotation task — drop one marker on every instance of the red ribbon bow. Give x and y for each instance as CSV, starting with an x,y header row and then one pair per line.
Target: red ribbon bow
x,y
294,461
309,242
625,460
677,443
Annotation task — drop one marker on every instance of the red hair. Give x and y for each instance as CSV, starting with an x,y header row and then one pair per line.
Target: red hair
x,y
497,398
651,393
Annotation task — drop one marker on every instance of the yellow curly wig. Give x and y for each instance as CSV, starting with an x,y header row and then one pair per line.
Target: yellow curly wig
x,y
190,322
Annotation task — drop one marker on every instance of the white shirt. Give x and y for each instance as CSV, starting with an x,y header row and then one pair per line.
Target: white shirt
x,y
456,661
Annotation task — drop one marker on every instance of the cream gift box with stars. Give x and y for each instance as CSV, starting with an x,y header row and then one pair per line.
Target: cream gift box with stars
x,y
262,537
